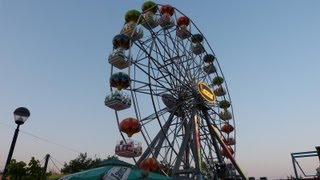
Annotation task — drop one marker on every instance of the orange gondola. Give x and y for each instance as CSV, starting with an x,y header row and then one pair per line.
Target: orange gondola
x,y
167,9
166,21
183,21
182,30
149,164
130,126
227,128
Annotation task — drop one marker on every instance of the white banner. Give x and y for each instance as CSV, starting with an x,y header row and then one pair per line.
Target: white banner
x,y
117,173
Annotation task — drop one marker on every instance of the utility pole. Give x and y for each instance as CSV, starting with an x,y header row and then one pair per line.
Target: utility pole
x,y
46,164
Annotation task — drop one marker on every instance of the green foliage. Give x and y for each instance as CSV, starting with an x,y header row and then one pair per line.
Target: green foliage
x,y
34,170
81,163
17,170
20,170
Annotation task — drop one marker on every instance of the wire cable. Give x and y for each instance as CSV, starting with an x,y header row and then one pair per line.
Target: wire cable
x,y
55,164
57,161
43,139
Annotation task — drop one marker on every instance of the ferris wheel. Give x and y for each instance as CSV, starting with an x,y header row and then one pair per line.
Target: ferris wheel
x,y
168,91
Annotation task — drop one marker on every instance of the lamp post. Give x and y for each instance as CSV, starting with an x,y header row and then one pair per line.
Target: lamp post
x,y
21,114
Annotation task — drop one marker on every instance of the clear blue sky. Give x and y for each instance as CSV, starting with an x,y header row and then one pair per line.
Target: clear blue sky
x,y
53,60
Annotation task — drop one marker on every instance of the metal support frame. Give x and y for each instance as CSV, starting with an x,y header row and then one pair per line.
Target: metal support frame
x,y
196,144
214,135
158,140
295,163
182,150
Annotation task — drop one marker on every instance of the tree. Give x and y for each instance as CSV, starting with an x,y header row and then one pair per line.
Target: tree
x,y
82,162
20,170
17,170
35,171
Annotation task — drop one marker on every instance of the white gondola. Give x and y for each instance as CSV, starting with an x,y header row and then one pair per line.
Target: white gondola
x,y
119,59
149,21
219,91
225,115
197,48
132,30
166,21
183,33
118,101
209,68
128,148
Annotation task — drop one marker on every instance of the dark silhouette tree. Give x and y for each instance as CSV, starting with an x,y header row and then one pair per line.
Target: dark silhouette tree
x,y
35,171
81,163
17,170
20,170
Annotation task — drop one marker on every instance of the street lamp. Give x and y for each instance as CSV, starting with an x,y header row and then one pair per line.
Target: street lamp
x,y
21,114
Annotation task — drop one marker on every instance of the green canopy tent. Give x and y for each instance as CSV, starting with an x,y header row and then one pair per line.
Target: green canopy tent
x,y
114,169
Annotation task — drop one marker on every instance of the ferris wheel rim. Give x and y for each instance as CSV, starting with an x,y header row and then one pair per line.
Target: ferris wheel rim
x,y
150,87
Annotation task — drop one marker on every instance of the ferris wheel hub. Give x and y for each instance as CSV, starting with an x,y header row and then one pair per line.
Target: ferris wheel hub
x,y
206,92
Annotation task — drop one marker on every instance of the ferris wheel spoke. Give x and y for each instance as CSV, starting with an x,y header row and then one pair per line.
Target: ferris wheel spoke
x,y
165,45
153,116
173,47
144,87
166,57
213,137
225,148
206,140
162,69
196,143
214,122
158,139
184,144
165,132
169,68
